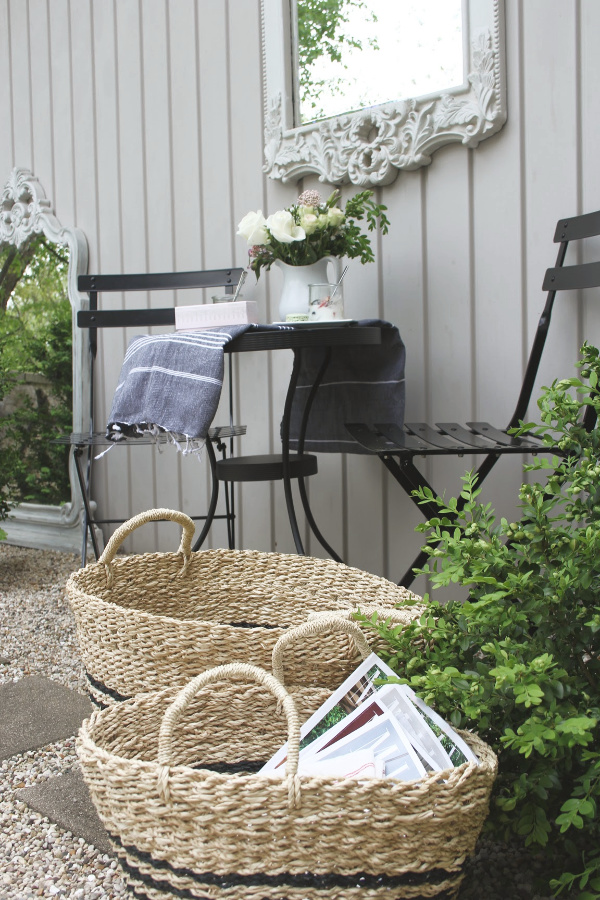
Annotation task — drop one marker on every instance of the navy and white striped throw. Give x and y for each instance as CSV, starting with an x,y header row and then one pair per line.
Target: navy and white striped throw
x,y
171,383
361,384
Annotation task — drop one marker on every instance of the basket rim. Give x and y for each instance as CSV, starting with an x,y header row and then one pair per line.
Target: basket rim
x,y
214,624
256,554
488,764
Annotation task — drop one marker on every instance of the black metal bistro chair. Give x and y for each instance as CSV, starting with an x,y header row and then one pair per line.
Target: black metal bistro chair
x,y
398,446
85,445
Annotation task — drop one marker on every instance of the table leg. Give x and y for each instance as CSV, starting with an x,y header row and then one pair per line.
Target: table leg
x,y
301,437
285,452
285,446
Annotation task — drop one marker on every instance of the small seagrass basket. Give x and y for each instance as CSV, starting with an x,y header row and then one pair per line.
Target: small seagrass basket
x,y
174,777
152,619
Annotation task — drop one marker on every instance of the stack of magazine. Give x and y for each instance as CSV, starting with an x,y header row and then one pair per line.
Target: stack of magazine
x,y
368,730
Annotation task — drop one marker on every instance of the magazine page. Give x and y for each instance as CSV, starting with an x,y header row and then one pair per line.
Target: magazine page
x,y
359,765
362,715
389,745
358,701
458,751
397,701
353,691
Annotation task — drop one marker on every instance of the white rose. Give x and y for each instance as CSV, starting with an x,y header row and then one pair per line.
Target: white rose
x,y
283,228
335,216
309,222
253,227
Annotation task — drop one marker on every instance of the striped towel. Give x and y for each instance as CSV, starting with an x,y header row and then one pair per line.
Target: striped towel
x,y
171,383
361,384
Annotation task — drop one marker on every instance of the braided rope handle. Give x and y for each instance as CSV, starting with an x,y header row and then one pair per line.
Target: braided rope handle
x,y
317,625
232,672
397,615
152,515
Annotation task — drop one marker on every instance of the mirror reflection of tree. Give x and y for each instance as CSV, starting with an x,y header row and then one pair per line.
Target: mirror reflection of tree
x,y
35,340
323,34
354,54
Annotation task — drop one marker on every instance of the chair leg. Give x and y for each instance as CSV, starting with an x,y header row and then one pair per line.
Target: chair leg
x,y
88,521
410,479
213,497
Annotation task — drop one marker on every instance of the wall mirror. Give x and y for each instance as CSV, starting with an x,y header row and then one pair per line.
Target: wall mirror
x,y
442,59
28,223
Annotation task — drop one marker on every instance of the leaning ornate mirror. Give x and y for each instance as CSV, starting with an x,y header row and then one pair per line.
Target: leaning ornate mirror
x,y
39,265
330,67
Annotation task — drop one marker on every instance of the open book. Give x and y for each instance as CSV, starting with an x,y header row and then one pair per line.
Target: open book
x,y
368,730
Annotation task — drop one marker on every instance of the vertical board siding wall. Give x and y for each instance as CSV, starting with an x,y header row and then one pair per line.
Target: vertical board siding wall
x,y
144,122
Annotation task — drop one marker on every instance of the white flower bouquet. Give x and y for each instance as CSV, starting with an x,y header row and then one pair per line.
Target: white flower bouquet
x,y
312,229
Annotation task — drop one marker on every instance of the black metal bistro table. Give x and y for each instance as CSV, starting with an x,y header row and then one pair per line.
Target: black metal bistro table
x,y
303,336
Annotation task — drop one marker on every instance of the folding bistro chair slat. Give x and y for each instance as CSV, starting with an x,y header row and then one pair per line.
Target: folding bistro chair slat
x,y
391,442
572,278
432,436
374,439
401,438
504,439
465,437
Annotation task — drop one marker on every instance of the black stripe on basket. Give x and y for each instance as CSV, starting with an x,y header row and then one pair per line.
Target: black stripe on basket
x,y
108,692
243,767
287,879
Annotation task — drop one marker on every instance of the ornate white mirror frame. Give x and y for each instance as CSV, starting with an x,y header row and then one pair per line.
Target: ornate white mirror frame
x,y
371,146
25,210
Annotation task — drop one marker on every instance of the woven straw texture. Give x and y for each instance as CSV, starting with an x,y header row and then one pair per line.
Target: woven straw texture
x,y
173,777
159,619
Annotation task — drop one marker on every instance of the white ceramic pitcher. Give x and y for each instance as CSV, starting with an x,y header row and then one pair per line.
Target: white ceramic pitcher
x,y
296,279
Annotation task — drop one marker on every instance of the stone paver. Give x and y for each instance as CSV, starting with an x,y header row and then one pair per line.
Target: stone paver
x,y
66,801
36,711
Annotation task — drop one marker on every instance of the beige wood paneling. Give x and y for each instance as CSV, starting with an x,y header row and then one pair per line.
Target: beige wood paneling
x,y
20,82
143,121
6,104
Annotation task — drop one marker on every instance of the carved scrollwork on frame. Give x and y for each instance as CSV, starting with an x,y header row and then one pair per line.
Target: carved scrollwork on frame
x,y
371,146
25,211
23,203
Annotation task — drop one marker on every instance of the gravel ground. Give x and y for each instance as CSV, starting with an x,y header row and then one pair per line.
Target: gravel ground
x,y
37,858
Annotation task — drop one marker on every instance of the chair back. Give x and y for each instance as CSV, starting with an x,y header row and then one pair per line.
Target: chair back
x,y
560,278
158,281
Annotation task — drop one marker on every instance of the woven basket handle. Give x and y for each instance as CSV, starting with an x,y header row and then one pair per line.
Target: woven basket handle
x,y
318,625
235,672
398,616
152,515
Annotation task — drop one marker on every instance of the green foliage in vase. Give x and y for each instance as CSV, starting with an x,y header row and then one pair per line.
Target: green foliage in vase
x,y
35,331
313,228
519,661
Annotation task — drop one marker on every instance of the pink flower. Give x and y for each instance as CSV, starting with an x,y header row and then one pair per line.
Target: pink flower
x,y
310,198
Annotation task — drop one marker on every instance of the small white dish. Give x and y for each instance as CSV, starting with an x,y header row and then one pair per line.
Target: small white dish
x,y
317,323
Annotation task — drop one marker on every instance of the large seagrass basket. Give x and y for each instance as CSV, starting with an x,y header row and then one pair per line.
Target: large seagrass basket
x,y
156,619
174,777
